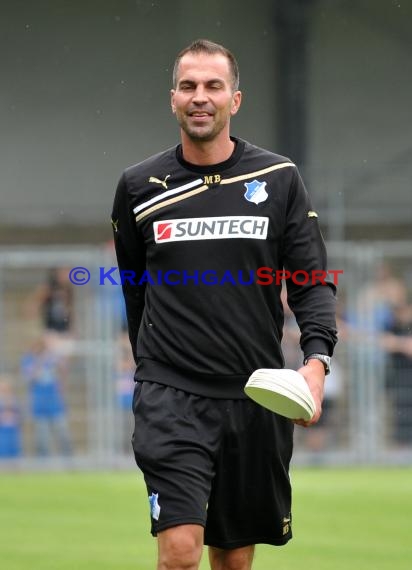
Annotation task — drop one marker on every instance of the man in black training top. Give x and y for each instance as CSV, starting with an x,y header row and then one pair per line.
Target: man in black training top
x,y
192,226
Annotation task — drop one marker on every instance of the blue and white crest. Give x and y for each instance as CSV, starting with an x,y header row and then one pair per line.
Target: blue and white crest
x,y
255,192
154,506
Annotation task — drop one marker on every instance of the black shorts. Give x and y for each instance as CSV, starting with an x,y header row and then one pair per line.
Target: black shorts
x,y
222,464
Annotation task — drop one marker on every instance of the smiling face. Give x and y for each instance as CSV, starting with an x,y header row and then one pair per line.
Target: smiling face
x,y
203,99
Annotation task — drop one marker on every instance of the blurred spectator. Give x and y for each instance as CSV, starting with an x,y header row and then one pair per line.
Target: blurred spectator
x,y
322,434
43,368
398,343
124,389
53,302
10,421
373,310
112,295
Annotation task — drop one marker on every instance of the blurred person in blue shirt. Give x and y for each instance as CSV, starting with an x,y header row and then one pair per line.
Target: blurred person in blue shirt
x,y
373,309
10,421
43,367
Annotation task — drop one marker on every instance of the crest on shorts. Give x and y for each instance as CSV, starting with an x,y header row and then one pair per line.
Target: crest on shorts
x,y
154,506
255,192
286,524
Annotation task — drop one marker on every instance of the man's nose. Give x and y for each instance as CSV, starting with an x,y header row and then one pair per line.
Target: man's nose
x,y
200,95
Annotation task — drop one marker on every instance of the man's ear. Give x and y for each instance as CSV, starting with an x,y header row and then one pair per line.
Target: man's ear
x,y
172,98
236,101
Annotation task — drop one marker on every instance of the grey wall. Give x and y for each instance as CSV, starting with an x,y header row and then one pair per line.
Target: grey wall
x,y
85,92
360,118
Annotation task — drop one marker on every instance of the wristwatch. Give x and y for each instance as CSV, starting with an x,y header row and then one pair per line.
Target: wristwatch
x,y
323,358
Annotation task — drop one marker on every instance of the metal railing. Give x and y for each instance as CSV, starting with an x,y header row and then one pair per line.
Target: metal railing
x,y
364,413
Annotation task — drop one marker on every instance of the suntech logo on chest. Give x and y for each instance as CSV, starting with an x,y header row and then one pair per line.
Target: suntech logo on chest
x,y
221,227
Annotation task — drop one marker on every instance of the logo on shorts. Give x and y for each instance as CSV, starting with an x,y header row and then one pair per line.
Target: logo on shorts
x,y
255,192
286,525
154,506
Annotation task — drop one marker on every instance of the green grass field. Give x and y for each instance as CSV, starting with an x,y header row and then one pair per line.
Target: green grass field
x,y
343,518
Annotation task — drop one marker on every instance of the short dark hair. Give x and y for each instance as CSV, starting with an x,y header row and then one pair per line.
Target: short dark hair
x,y
208,47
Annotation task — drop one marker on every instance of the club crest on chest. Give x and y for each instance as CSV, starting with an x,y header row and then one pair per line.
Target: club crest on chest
x,y
255,192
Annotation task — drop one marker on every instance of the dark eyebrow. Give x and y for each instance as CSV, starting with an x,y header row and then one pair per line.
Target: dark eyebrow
x,y
212,81
186,83
190,83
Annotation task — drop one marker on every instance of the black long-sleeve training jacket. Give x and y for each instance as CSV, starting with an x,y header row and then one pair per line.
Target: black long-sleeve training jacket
x,y
200,250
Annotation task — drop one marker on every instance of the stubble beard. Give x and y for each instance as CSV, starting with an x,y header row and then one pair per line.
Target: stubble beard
x,y
200,134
